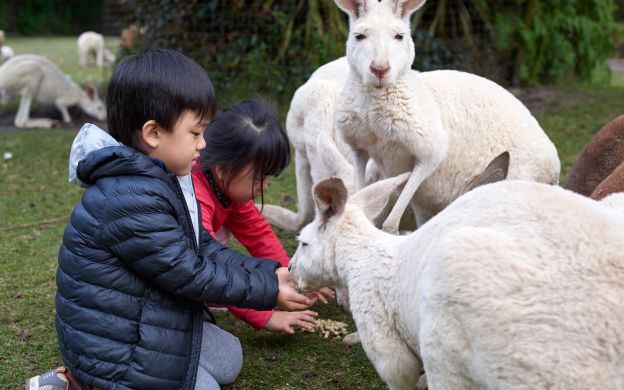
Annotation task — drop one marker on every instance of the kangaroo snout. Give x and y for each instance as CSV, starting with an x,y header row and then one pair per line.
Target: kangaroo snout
x,y
380,70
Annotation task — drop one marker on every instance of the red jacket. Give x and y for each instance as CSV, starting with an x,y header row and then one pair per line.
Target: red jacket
x,y
249,227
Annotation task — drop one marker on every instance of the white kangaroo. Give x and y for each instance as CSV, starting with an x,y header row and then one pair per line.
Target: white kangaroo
x,y
515,285
36,78
319,151
91,43
442,126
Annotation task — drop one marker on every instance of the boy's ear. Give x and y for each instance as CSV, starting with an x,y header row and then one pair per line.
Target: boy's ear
x,y
150,134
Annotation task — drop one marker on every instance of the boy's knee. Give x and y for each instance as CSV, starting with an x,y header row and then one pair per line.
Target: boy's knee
x,y
221,355
205,381
235,358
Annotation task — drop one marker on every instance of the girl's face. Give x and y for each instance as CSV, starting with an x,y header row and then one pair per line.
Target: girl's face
x,y
243,187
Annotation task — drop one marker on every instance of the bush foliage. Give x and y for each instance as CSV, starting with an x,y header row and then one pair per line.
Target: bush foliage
x,y
30,17
277,44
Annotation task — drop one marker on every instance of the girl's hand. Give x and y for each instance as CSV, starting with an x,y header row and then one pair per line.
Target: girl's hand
x,y
283,321
321,295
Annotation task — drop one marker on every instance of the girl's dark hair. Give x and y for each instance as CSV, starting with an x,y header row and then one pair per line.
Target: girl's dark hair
x,y
246,132
158,84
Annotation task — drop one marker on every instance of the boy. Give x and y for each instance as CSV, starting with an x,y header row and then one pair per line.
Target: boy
x,y
135,265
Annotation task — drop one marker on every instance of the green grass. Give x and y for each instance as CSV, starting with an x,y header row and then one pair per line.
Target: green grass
x,y
34,188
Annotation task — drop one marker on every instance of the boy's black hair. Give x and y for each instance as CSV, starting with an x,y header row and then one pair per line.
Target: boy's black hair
x,y
246,132
158,84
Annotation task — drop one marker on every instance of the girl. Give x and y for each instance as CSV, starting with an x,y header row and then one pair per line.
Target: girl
x,y
245,144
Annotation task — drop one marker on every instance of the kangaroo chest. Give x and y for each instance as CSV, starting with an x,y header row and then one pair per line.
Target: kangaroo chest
x,y
381,127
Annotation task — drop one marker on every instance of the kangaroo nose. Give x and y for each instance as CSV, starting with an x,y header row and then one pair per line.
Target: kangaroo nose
x,y
289,267
380,71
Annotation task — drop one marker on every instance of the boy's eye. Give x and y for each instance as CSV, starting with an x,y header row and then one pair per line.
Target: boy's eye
x,y
196,134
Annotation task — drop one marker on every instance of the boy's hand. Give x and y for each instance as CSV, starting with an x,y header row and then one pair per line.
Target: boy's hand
x,y
321,295
283,275
289,299
283,321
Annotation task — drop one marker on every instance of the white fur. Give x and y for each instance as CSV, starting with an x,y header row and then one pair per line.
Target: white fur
x,y
514,285
36,78
92,43
6,52
443,126
319,151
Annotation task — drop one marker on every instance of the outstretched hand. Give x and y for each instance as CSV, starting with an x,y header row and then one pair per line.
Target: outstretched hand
x,y
320,295
288,298
283,321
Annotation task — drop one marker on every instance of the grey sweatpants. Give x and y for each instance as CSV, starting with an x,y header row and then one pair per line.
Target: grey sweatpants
x,y
220,359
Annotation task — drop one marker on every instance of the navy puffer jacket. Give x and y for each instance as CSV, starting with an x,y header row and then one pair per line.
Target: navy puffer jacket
x,y
132,279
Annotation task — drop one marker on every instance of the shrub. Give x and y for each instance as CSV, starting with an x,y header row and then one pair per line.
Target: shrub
x,y
271,47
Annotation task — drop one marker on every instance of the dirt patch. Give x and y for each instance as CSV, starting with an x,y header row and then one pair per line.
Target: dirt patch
x,y
542,98
79,118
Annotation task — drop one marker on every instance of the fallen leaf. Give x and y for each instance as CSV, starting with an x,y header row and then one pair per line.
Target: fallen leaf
x,y
24,334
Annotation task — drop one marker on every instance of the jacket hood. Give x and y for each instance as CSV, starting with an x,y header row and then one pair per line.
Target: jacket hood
x,y
95,154
89,139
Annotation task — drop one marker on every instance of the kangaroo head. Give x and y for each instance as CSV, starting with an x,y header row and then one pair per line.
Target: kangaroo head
x,y
109,56
315,263
92,104
379,46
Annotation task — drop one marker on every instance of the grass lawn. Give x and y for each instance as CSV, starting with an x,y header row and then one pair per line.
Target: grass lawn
x,y
36,199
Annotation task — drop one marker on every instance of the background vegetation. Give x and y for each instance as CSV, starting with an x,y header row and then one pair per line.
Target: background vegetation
x,y
28,17
270,47
519,42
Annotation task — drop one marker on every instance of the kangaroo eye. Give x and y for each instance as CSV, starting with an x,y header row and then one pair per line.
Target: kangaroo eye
x,y
360,37
398,37
304,244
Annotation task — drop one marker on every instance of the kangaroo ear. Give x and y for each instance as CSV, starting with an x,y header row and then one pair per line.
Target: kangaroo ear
x,y
405,8
330,196
496,170
611,184
90,90
377,198
355,8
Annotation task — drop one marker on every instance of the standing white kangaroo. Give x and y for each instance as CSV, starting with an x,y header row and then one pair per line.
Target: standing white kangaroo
x,y
515,285
91,43
442,126
36,78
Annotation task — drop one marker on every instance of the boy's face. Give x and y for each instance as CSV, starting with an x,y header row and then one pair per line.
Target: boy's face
x,y
179,148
